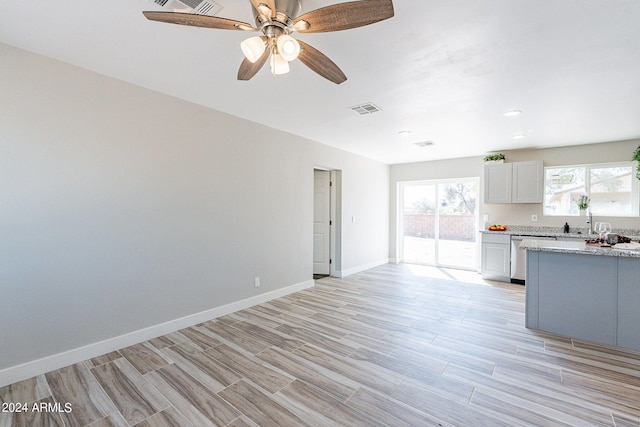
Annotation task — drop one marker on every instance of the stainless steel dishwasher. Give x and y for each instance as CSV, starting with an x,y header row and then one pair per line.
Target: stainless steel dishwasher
x,y
519,257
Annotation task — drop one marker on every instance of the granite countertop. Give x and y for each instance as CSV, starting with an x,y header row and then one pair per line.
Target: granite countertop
x,y
511,232
520,230
576,248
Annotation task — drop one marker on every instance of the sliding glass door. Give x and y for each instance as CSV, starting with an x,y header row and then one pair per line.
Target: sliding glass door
x,y
438,222
418,223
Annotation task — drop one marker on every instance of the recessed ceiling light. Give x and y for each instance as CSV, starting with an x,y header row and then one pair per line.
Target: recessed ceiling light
x,y
404,133
519,135
513,113
423,143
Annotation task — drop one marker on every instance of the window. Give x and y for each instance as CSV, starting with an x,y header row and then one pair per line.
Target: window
x,y
612,188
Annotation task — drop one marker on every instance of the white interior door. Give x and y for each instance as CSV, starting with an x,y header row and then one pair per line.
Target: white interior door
x,y
321,222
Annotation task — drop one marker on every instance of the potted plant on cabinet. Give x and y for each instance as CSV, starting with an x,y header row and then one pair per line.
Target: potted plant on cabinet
x,y
494,158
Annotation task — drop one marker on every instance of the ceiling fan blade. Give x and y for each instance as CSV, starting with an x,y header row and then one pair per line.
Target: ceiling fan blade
x,y
271,4
318,62
194,20
248,69
344,16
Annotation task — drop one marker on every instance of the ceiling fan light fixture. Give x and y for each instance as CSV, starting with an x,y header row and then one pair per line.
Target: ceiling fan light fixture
x,y
288,47
253,48
279,65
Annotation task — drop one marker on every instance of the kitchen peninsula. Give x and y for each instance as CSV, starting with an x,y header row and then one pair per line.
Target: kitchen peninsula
x,y
584,292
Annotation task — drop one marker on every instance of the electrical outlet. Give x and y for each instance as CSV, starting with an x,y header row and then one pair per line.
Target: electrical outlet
x,y
485,217
256,282
534,218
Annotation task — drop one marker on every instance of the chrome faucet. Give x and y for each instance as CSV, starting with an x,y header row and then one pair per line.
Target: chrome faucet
x,y
590,222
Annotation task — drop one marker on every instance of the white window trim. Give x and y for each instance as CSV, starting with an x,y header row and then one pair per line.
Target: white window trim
x,y
635,187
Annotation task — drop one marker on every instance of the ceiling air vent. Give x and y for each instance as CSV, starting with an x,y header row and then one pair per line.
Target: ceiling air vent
x,y
207,8
423,143
367,108
198,7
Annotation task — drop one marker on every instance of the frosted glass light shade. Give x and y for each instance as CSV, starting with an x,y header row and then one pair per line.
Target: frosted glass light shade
x,y
288,47
253,48
279,65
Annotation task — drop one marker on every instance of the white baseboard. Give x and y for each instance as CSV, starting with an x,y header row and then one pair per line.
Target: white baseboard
x,y
56,361
358,269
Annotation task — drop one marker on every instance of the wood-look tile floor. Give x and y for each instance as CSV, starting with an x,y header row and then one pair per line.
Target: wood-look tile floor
x,y
389,346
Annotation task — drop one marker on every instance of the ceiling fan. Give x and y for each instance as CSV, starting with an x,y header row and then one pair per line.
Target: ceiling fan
x,y
277,20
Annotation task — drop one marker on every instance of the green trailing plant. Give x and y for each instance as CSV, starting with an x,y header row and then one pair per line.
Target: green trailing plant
x,y
583,202
494,157
636,157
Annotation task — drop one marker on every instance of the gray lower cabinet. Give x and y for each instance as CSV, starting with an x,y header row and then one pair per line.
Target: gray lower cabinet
x,y
496,257
629,302
588,297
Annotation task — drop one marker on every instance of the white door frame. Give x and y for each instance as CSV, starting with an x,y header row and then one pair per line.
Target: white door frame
x,y
336,221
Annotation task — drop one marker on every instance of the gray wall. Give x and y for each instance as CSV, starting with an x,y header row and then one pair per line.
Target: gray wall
x,y
122,208
514,214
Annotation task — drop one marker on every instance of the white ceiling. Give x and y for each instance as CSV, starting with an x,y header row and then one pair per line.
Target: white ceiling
x,y
445,70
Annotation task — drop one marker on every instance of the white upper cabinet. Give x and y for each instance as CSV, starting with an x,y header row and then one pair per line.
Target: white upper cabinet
x,y
497,183
527,182
519,182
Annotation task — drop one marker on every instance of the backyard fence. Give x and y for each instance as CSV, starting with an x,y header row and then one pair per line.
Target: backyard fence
x,y
451,227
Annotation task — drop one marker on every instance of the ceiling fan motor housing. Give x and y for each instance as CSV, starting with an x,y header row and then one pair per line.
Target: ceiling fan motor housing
x,y
286,10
